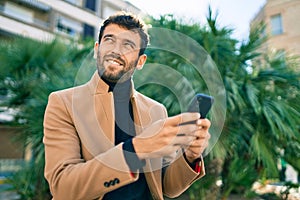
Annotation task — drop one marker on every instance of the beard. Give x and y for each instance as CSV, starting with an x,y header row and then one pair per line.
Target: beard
x,y
115,75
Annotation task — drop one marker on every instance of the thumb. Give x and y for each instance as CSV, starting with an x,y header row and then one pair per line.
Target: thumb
x,y
182,118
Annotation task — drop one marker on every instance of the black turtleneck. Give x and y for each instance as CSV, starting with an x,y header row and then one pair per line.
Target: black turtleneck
x,y
124,131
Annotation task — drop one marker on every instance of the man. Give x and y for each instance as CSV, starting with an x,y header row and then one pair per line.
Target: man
x,y
105,140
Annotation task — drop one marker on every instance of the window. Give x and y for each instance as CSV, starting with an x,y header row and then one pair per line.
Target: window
x,y
276,25
88,31
69,26
90,4
74,2
18,12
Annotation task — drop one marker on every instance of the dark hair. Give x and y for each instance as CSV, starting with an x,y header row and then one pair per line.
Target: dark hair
x,y
130,22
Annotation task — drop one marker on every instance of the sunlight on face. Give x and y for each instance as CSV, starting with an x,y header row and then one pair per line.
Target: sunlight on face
x,y
118,53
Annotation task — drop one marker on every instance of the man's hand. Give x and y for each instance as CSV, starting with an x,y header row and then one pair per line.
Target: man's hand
x,y
165,137
197,147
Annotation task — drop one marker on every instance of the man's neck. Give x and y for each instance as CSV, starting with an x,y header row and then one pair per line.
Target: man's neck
x,y
121,90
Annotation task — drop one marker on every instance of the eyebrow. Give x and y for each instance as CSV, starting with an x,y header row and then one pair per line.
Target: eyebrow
x,y
108,35
113,36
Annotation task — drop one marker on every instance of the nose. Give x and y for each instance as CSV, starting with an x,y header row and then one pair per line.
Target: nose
x,y
117,48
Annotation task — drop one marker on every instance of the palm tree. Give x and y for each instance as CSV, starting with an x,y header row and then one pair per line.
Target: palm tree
x,y
262,111
29,71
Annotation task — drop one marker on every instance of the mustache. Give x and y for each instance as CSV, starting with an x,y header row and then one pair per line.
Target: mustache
x,y
115,57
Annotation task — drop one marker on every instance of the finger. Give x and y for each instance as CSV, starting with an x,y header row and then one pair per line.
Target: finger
x,y
198,144
188,129
202,134
201,139
203,123
192,153
182,118
183,140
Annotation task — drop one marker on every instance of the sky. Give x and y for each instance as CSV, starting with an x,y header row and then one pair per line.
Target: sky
x,y
235,14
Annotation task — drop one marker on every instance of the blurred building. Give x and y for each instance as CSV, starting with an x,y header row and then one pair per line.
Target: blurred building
x,y
43,19
281,18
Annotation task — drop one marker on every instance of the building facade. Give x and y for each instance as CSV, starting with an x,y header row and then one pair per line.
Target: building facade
x,y
281,18
43,19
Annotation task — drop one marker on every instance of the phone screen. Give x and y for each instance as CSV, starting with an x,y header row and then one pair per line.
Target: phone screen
x,y
201,103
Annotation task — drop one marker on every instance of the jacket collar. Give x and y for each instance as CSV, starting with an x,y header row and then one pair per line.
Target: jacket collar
x,y
98,86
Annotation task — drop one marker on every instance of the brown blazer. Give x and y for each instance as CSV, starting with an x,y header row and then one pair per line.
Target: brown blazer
x,y
82,161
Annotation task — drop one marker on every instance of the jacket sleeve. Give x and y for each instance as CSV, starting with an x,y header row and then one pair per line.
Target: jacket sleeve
x,y
179,176
68,174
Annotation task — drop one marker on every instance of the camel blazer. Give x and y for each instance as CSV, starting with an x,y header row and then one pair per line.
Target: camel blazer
x,y
82,161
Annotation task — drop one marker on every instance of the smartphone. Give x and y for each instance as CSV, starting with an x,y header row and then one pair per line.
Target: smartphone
x,y
201,103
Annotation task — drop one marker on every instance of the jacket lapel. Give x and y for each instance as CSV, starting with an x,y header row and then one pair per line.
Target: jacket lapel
x,y
104,106
93,117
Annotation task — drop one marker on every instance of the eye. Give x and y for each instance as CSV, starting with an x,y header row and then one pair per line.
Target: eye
x,y
129,45
108,39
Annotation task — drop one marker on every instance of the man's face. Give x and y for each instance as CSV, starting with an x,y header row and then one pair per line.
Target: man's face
x,y
118,53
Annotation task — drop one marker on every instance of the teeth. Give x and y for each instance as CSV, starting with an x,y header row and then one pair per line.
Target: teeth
x,y
114,62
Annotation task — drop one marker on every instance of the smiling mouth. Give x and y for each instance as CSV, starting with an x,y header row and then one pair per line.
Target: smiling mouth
x,y
114,62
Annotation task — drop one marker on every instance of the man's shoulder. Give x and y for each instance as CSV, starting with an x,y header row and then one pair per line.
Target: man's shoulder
x,y
83,88
70,92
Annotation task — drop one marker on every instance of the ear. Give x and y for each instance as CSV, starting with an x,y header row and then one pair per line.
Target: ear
x,y
96,50
141,61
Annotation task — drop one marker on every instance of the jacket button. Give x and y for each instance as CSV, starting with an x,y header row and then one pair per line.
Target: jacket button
x,y
106,184
111,182
116,181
